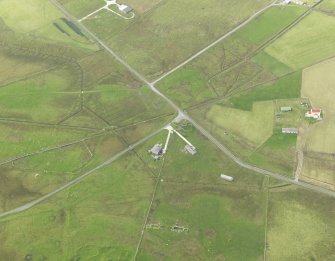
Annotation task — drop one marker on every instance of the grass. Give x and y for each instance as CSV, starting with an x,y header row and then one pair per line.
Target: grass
x,y
221,216
82,8
328,5
318,88
184,27
44,98
269,23
301,222
28,16
99,218
307,43
255,126
222,70
111,102
269,63
36,18
285,88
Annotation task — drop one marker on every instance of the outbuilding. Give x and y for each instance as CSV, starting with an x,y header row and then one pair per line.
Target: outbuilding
x,y
290,130
125,8
227,178
286,109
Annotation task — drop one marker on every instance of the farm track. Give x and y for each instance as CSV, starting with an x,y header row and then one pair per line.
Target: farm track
x,y
181,115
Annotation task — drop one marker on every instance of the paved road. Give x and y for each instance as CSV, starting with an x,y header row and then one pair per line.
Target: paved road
x,y
182,115
78,179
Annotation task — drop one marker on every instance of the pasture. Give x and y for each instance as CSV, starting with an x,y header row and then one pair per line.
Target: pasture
x,y
81,8
234,65
220,217
307,43
100,218
255,126
302,223
181,26
39,18
317,85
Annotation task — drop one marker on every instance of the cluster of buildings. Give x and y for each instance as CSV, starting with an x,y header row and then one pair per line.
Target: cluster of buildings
x,y
158,150
297,2
314,113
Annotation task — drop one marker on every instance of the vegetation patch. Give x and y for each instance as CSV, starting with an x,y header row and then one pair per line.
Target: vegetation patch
x,y
255,126
307,43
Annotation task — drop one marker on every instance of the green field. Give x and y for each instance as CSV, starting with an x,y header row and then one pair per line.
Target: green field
x,y
302,223
307,43
233,65
181,26
37,18
255,126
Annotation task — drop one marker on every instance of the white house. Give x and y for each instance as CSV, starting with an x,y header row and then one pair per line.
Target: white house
x,y
314,113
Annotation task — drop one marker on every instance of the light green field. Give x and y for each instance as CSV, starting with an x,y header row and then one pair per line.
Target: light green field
x,y
42,98
328,5
317,85
300,226
319,169
28,15
36,17
255,126
311,41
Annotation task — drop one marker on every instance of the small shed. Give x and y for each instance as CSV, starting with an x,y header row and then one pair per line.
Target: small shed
x,y
290,130
286,109
227,178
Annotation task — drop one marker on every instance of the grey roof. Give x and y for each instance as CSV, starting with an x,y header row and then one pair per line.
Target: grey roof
x,y
127,10
190,149
157,149
290,130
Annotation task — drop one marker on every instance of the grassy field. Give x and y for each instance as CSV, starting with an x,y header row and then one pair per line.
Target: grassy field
x,y
319,169
285,88
82,8
44,98
328,5
318,87
232,65
255,126
100,218
183,26
221,217
38,19
301,223
307,43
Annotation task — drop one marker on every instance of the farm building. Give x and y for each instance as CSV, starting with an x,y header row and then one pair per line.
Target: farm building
x,y
227,178
125,9
290,130
156,151
314,113
286,109
190,149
